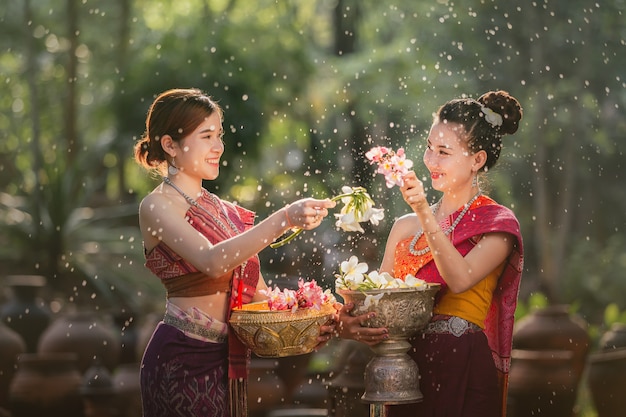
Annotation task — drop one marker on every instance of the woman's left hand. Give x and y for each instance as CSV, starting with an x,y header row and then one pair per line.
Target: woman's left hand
x,y
354,327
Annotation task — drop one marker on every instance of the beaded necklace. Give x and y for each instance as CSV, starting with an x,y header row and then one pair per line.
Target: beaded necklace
x,y
418,235
215,201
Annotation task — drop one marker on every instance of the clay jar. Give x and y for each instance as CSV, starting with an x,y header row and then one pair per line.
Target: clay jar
x,y
541,383
86,335
606,380
606,376
11,346
23,313
46,385
615,338
553,328
550,329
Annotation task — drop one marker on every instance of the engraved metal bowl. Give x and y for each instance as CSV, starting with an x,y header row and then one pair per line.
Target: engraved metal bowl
x,y
391,376
403,311
279,333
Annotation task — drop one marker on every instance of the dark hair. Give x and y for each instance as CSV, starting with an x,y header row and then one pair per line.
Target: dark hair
x,y
481,133
176,113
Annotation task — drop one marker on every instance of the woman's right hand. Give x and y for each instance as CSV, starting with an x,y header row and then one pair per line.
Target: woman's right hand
x,y
307,213
413,192
350,327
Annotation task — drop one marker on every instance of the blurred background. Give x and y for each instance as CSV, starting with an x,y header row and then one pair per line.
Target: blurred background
x,y
307,88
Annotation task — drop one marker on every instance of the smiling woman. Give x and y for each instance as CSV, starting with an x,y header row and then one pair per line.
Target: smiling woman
x,y
204,250
472,247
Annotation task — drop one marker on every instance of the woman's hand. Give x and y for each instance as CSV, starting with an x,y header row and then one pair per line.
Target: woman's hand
x,y
413,192
307,213
328,330
350,327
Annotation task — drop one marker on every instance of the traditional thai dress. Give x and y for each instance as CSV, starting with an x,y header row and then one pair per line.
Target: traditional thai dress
x,y
464,353
191,357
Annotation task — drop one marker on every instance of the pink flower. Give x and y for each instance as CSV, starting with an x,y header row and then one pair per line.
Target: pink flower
x,y
308,295
393,165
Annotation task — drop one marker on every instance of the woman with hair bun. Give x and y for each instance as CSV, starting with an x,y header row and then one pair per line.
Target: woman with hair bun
x,y
472,246
204,251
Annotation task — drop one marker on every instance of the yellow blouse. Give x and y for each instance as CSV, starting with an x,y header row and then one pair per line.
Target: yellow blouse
x,y
473,304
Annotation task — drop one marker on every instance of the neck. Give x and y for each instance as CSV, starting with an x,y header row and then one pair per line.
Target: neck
x,y
188,186
452,201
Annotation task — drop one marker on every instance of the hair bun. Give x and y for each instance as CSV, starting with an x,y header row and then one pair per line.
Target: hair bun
x,y
505,105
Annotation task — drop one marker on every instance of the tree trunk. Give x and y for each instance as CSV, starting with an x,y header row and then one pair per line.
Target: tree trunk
x,y
71,135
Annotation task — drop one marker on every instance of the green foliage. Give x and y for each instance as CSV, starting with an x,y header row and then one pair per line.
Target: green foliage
x,y
594,277
535,301
299,114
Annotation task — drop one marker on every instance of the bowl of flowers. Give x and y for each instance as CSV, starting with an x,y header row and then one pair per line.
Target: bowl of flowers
x,y
404,306
287,323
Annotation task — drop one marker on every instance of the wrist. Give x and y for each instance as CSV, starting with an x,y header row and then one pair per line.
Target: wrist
x,y
287,224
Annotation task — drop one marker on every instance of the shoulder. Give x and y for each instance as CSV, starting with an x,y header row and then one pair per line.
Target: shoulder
x,y
158,202
489,216
404,226
490,208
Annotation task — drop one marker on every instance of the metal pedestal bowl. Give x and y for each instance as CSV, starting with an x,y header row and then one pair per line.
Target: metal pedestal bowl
x,y
391,376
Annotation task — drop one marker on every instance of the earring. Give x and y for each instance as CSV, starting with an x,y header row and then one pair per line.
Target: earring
x,y
475,181
171,168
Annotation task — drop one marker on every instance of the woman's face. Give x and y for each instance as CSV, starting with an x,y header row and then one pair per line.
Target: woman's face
x,y
201,150
447,158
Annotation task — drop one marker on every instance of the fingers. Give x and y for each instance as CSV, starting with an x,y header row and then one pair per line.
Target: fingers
x,y
371,339
355,328
308,213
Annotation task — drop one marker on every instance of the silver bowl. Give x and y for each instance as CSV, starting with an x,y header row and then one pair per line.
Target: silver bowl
x,y
391,376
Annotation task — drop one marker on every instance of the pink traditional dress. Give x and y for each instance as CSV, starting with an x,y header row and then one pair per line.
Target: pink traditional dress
x,y
464,354
191,357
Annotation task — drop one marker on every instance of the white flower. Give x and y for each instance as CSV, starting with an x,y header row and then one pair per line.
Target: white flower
x,y
354,273
354,276
380,280
493,118
348,223
412,281
373,215
372,300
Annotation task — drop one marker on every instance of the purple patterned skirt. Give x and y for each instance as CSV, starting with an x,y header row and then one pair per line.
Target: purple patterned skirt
x,y
182,376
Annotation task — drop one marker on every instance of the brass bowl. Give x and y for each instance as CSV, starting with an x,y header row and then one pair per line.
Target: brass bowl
x,y
279,333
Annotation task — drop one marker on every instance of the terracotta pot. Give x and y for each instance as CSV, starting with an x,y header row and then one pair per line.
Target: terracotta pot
x,y
615,338
541,383
607,382
11,346
46,385
553,328
86,335
23,313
